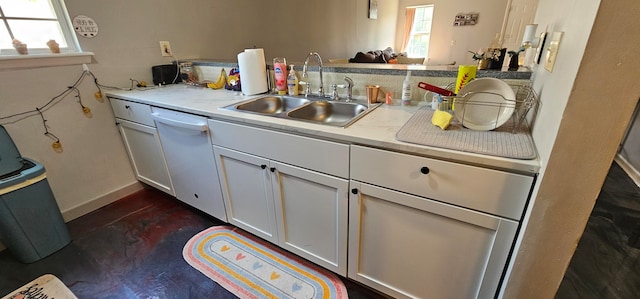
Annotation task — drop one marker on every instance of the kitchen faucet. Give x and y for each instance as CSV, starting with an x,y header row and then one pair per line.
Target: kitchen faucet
x,y
305,75
348,86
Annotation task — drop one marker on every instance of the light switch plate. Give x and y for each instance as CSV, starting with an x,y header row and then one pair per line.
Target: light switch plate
x,y
552,51
165,48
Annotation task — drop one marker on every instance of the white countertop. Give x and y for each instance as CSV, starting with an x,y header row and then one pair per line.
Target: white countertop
x,y
376,129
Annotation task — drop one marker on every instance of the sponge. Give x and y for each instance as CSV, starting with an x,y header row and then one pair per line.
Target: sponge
x,y
441,119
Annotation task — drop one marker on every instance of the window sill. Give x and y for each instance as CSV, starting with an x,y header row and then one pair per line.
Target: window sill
x,y
44,60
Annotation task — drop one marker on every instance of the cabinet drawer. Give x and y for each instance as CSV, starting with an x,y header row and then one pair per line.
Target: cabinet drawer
x,y
135,112
491,191
319,155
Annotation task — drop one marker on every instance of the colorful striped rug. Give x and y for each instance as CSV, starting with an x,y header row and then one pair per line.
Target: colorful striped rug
x,y
252,268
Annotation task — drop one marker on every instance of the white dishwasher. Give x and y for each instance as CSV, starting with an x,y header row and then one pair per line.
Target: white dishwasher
x,y
187,147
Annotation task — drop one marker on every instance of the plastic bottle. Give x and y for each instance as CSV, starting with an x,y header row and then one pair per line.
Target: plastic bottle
x,y
280,74
406,90
436,99
292,82
388,98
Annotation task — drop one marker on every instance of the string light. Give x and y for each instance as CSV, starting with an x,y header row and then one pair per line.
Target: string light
x,y
57,145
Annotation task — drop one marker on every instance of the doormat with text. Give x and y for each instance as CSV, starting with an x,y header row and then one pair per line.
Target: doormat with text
x,y
43,287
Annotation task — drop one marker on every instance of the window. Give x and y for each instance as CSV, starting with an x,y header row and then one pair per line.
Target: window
x,y
420,31
34,23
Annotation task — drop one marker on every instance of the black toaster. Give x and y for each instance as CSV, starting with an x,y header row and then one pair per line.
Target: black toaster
x,y
165,74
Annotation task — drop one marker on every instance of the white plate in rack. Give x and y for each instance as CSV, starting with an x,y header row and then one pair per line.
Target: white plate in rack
x,y
485,104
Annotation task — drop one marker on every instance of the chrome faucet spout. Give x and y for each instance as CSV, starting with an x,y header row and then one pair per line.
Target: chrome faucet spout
x,y
349,88
305,67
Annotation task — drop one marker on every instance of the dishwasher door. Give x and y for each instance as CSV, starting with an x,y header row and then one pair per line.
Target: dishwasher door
x,y
187,147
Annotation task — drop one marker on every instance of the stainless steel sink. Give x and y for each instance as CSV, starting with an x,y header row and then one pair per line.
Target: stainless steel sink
x,y
330,113
272,104
313,110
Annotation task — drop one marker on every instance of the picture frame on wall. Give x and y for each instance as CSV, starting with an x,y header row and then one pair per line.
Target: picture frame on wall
x,y
373,9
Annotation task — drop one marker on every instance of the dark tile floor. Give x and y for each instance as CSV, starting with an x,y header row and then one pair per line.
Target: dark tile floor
x,y
131,249
606,263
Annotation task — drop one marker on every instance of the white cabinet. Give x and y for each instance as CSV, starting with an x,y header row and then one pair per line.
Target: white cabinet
x,y
142,144
312,215
246,189
490,191
273,189
413,247
410,236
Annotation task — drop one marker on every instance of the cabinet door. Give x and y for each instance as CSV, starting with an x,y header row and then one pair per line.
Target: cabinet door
x,y
312,215
146,155
246,189
413,247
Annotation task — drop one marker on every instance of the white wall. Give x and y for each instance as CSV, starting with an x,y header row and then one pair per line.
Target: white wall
x,y
335,29
577,132
450,43
94,163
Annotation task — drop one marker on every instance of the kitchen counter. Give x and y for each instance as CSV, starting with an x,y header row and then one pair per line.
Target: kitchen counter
x,y
376,129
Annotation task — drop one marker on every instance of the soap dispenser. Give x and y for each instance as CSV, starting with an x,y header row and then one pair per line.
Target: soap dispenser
x,y
292,82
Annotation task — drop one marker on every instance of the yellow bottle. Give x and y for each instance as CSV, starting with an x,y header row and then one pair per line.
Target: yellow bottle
x,y
292,82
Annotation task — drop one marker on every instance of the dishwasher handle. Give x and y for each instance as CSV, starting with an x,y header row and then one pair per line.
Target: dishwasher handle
x,y
180,124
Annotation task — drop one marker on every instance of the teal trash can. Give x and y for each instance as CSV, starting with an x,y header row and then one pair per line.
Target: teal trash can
x,y
31,225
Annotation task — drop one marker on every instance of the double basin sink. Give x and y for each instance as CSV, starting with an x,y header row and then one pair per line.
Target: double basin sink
x,y
314,110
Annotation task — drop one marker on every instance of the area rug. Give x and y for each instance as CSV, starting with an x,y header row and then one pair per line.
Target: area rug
x,y
45,286
252,268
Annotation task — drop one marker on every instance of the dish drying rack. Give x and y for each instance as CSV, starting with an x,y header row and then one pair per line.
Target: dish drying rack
x,y
525,100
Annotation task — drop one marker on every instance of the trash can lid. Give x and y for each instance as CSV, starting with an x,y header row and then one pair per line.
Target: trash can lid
x,y
10,158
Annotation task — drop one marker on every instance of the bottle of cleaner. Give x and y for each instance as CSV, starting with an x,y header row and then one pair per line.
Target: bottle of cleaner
x,y
280,74
292,82
406,90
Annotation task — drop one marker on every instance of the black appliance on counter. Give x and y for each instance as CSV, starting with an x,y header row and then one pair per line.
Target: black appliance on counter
x,y
165,74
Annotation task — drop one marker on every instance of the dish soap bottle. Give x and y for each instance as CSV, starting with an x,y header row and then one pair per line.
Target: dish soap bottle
x,y
280,74
406,90
292,82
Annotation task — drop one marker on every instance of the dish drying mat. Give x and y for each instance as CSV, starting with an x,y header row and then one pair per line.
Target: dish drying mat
x,y
500,142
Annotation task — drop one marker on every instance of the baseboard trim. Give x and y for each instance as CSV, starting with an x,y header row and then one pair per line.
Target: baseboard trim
x,y
101,201
631,171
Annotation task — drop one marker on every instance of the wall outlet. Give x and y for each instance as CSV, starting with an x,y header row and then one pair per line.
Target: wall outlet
x,y
165,48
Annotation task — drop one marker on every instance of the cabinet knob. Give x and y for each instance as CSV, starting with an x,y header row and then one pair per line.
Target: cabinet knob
x,y
263,166
127,106
273,169
424,170
354,191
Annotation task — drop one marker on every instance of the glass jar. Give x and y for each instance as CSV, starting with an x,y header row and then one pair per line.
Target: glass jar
x,y
188,74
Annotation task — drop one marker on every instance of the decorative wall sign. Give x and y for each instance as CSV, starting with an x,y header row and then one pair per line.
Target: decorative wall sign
x,y
465,19
373,9
85,26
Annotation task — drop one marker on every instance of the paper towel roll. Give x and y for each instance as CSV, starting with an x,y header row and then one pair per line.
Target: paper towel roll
x,y
529,33
253,71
